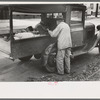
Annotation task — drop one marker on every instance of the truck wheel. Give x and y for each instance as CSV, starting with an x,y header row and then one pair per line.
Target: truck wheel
x,y
27,58
51,63
99,46
37,56
48,58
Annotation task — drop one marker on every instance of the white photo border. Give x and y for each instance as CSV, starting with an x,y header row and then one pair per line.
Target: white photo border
x,y
42,90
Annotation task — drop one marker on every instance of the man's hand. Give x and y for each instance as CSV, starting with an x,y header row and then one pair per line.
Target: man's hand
x,y
35,32
49,31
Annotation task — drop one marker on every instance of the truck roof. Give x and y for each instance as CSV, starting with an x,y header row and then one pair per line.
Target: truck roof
x,y
37,8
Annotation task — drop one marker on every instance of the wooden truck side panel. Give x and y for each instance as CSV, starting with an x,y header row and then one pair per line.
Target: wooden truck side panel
x,y
26,47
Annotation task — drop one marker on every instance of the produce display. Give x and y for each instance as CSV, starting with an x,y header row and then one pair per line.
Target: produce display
x,y
30,32
25,35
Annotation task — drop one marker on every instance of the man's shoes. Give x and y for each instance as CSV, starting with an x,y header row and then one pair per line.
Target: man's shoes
x,y
67,72
60,74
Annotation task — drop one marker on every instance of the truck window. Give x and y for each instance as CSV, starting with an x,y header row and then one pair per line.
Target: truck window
x,y
76,15
53,15
49,15
76,27
51,20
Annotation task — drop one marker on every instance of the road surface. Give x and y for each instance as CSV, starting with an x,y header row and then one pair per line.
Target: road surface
x,y
33,71
83,68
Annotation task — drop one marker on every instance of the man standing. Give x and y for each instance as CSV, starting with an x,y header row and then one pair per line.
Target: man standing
x,y
64,44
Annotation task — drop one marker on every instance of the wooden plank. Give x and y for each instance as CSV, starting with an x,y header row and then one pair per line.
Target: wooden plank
x,y
30,46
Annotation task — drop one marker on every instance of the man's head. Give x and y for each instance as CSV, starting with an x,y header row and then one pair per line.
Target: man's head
x,y
59,19
43,17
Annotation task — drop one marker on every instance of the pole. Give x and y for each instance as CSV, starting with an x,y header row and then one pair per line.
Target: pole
x,y
96,14
11,24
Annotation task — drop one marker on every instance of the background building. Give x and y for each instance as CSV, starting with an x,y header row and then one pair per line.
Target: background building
x,y
92,8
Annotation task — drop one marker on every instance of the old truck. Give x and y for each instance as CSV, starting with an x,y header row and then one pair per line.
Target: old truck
x,y
82,34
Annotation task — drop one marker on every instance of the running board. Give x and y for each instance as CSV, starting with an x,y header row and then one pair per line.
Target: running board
x,y
77,53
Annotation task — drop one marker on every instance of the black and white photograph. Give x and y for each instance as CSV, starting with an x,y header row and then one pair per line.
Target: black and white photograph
x,y
50,42
49,49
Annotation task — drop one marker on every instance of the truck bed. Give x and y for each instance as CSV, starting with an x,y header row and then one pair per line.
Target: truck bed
x,y
17,24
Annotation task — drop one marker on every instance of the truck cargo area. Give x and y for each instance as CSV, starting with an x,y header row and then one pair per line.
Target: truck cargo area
x,y
19,24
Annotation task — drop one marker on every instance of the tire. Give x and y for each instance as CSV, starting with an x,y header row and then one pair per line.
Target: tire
x,y
99,46
27,58
48,58
37,56
51,63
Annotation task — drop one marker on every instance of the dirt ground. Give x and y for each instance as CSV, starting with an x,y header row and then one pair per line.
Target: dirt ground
x,y
83,68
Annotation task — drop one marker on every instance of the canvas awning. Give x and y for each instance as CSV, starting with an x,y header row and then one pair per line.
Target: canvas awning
x,y
37,8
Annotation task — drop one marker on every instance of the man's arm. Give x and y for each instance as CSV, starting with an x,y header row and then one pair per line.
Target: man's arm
x,y
55,32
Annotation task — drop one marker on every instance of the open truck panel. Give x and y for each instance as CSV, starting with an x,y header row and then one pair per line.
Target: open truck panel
x,y
82,34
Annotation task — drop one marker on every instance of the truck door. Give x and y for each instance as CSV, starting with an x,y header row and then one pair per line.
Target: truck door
x,y
77,27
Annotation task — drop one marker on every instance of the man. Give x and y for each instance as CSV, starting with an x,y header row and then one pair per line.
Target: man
x,y
64,44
